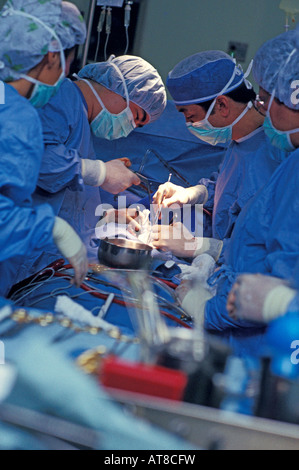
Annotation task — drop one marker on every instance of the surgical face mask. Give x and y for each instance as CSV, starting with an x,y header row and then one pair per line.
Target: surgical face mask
x,y
112,126
280,139
214,135
205,131
43,92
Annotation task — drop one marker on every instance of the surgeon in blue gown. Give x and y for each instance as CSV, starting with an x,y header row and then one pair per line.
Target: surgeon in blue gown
x,y
28,61
108,100
266,236
220,111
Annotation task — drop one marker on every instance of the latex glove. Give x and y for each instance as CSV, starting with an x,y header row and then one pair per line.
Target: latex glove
x,y
170,193
71,247
118,177
130,217
259,298
177,239
193,298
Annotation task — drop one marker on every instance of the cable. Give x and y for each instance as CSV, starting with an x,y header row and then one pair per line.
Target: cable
x,y
108,29
127,23
100,29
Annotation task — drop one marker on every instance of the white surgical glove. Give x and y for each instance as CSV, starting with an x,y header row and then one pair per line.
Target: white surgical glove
x,y
193,298
177,239
170,193
118,177
71,247
209,246
259,298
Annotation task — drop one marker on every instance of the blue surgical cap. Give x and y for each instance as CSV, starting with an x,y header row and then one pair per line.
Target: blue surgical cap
x,y
71,28
201,77
24,41
276,66
145,86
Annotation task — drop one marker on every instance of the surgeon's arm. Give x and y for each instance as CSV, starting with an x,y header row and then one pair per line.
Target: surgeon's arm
x,y
113,176
24,229
60,169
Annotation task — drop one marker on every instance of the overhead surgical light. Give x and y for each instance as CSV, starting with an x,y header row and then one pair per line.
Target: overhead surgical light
x,y
291,8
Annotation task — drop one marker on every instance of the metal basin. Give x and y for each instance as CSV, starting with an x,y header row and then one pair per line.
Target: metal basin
x,y
126,254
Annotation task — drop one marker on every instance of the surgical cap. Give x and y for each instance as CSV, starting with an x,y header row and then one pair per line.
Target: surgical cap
x,y
276,66
201,77
23,40
71,28
145,86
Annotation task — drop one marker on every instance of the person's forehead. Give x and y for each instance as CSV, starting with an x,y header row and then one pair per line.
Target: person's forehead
x,y
263,93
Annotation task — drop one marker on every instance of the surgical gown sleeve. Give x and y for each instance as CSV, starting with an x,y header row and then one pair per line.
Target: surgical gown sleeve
x,y
210,184
62,121
265,239
22,228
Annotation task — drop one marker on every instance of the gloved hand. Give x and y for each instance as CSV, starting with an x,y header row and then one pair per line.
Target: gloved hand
x,y
71,247
259,298
177,239
130,217
118,177
170,193
193,298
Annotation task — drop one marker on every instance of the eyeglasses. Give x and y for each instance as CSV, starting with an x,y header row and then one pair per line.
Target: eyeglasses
x,y
259,105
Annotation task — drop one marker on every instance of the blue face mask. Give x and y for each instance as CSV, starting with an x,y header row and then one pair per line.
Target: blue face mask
x,y
42,93
280,139
214,135
112,126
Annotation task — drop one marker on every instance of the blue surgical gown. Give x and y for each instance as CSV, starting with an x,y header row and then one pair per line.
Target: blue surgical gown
x,y
247,165
23,227
265,240
67,138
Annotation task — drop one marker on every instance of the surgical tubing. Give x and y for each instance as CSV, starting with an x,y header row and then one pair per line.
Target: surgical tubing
x,y
121,302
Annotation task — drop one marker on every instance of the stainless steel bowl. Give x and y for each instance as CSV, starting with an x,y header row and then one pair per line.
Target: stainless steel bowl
x,y
125,254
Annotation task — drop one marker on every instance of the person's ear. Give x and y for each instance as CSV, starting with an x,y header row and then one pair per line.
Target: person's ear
x,y
223,105
53,60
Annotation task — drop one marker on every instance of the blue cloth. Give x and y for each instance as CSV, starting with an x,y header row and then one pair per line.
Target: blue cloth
x,y
71,28
170,138
67,139
265,240
24,40
22,227
202,76
144,84
276,66
248,164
